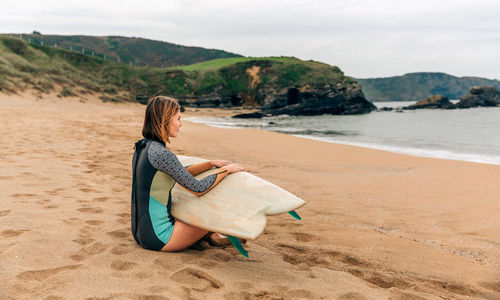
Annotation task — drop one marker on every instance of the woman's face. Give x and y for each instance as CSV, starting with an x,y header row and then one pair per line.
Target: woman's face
x,y
175,124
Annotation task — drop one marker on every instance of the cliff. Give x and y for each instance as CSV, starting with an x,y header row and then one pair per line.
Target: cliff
x,y
268,83
415,86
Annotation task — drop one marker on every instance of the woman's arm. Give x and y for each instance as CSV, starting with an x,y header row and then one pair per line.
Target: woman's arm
x,y
199,168
165,161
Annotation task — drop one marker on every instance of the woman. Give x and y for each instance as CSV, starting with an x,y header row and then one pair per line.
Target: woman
x,y
155,170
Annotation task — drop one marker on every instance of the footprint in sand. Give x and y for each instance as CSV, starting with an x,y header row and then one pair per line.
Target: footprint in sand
x,y
352,296
119,265
167,263
294,249
91,210
354,261
292,294
219,255
12,232
78,256
206,263
100,199
157,289
196,279
54,191
305,237
94,248
121,249
120,234
17,195
4,212
87,190
122,221
72,221
40,275
94,222
86,231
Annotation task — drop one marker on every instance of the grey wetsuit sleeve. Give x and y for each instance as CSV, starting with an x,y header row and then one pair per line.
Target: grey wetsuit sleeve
x,y
164,160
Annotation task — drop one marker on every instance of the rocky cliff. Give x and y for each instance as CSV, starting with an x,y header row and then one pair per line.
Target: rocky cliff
x,y
281,86
270,83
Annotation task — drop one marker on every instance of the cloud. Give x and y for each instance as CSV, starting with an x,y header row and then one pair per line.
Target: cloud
x,y
364,38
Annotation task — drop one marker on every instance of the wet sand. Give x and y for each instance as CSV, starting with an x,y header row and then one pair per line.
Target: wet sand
x,y
377,225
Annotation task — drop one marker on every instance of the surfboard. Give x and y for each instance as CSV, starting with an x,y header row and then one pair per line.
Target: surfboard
x,y
237,206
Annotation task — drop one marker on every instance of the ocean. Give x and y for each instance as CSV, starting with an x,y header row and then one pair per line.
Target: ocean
x,y
461,134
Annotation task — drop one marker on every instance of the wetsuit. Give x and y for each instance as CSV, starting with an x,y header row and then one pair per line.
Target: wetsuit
x,y
154,172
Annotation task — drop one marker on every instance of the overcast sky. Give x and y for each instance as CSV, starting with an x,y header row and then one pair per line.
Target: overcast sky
x,y
364,38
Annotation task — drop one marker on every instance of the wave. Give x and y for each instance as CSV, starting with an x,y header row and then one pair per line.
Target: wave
x,y
420,152
312,132
333,136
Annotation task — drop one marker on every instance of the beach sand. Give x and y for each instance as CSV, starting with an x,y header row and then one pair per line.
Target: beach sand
x,y
377,225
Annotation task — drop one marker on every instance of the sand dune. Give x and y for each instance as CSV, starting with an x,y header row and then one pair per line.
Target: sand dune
x,y
377,225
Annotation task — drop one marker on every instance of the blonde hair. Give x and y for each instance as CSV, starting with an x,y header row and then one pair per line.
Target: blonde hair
x,y
159,112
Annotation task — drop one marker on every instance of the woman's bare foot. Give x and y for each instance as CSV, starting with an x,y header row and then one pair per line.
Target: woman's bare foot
x,y
217,239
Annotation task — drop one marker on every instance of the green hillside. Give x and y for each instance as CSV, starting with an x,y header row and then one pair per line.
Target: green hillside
x,y
133,51
24,65
416,86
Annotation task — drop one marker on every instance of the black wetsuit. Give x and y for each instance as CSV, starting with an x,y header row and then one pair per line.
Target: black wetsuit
x,y
155,170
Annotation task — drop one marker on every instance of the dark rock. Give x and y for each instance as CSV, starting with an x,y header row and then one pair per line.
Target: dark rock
x,y
480,96
340,99
337,100
385,109
434,102
254,115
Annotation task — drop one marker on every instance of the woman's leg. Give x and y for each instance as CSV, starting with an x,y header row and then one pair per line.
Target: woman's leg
x,y
183,236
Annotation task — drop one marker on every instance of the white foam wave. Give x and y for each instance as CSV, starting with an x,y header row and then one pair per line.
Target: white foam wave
x,y
421,152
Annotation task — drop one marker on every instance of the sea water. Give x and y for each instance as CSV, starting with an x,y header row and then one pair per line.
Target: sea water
x,y
460,134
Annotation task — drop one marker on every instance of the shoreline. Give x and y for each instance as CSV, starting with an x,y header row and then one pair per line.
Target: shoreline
x,y
416,152
376,225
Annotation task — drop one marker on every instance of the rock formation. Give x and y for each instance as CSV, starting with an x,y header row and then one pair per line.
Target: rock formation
x,y
336,100
480,96
436,101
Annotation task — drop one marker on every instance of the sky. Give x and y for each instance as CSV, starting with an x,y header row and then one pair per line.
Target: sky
x,y
363,38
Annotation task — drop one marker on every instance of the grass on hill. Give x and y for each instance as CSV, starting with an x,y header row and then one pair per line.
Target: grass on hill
x,y
24,65
129,50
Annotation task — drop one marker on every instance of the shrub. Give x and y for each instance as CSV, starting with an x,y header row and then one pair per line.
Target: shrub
x,y
15,45
66,91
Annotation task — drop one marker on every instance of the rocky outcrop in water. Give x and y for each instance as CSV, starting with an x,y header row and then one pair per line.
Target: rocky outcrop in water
x,y
337,100
480,96
434,102
254,115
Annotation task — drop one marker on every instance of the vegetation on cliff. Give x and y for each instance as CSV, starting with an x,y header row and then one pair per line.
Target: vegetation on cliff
x,y
416,86
132,51
24,65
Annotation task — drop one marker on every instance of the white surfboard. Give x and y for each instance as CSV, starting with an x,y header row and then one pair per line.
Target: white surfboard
x,y
237,206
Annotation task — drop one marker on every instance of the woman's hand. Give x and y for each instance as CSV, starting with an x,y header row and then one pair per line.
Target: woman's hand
x,y
220,163
233,168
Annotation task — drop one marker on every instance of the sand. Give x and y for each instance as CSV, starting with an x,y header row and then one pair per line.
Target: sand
x,y
377,225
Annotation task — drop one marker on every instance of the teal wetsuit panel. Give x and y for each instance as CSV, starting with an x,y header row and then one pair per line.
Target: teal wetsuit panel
x,y
160,220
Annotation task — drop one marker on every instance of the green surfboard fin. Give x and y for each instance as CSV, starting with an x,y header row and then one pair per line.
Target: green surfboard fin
x,y
295,215
237,244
